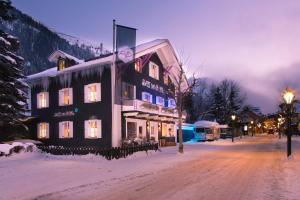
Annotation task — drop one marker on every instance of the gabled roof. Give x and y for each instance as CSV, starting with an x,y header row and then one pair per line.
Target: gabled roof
x,y
162,47
58,53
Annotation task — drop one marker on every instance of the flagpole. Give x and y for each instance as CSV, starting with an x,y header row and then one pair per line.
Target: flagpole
x,y
113,82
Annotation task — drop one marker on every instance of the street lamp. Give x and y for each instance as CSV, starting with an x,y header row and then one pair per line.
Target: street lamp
x,y
288,97
233,117
252,130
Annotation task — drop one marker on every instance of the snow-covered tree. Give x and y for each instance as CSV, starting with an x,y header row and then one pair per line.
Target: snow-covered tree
x,y
12,96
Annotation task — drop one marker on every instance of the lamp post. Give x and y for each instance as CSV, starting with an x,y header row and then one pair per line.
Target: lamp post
x,y
252,130
233,117
288,97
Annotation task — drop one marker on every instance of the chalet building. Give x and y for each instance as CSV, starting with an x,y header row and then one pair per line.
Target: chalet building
x,y
99,102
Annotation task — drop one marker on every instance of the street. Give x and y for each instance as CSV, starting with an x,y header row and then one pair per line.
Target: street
x,y
253,168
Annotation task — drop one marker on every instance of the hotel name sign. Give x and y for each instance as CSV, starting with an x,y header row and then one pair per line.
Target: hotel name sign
x,y
152,86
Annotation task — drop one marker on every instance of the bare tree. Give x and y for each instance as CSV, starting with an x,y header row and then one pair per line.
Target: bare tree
x,y
183,88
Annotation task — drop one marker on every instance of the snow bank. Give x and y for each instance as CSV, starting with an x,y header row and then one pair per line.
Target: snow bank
x,y
15,147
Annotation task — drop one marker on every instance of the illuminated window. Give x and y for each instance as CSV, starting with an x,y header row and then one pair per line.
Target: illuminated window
x,y
66,96
138,65
166,79
66,129
147,97
92,128
92,93
171,103
43,100
128,91
43,130
160,101
153,70
61,64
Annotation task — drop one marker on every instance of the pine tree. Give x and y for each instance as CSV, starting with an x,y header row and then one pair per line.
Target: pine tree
x,y
12,95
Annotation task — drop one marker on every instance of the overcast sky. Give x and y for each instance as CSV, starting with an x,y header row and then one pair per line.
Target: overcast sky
x,y
255,42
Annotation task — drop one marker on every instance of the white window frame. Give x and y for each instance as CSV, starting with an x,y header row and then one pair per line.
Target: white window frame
x,y
87,97
169,103
157,101
144,97
61,96
61,129
156,75
41,104
87,129
46,133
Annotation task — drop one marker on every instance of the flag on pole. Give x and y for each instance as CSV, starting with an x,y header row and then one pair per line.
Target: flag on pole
x,y
125,43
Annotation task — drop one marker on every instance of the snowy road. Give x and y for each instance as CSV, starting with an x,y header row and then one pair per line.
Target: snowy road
x,y
252,168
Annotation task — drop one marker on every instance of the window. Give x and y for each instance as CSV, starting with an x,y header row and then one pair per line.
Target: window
x,y
138,65
166,79
66,129
92,93
61,64
171,103
43,100
153,70
128,91
65,96
43,130
160,101
147,97
92,129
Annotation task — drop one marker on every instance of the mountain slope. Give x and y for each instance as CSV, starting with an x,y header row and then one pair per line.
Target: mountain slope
x,y
37,42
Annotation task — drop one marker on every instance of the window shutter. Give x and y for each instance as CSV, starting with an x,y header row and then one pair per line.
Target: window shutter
x,y
38,100
99,129
60,130
70,96
86,94
86,129
47,99
38,131
47,130
60,97
98,90
71,129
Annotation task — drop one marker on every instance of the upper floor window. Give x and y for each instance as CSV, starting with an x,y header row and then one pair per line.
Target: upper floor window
x,y
138,65
65,96
61,64
128,91
92,129
147,97
153,70
66,129
160,101
171,103
43,130
43,100
92,93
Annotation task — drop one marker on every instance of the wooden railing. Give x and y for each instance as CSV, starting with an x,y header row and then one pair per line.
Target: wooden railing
x,y
108,153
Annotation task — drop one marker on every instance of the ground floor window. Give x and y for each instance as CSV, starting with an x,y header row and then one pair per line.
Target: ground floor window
x,y
43,130
66,129
92,129
131,130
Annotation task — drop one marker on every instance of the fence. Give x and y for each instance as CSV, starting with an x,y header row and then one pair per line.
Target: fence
x,y
108,153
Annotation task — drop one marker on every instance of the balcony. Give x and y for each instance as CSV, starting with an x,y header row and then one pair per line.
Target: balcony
x,y
149,108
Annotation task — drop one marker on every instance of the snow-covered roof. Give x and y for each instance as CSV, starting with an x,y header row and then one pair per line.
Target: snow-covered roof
x,y
58,53
162,47
223,126
205,123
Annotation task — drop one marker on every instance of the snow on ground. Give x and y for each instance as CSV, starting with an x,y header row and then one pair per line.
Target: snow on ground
x,y
251,168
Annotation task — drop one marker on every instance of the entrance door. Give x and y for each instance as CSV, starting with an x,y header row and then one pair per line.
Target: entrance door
x,y
131,130
164,130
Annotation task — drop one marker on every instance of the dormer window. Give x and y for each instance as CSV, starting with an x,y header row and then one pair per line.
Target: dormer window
x,y
153,70
61,64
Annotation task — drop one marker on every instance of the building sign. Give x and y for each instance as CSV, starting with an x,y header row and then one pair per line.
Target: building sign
x,y
64,114
152,86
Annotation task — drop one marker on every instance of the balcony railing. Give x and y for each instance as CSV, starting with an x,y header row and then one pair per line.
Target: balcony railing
x,y
142,106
